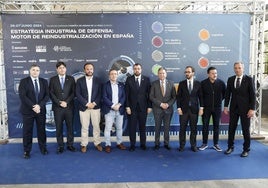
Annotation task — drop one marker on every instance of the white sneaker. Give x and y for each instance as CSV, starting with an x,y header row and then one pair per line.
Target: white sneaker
x,y
203,147
217,147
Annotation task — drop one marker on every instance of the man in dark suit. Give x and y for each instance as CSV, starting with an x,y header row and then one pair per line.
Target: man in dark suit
x,y
34,94
62,92
113,107
240,95
163,96
138,105
88,93
213,90
190,105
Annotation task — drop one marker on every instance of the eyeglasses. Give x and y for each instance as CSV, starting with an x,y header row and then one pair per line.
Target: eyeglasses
x,y
187,72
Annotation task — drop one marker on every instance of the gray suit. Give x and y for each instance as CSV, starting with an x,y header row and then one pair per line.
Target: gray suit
x,y
160,114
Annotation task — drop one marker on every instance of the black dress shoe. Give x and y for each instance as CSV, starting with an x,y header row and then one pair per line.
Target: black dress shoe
x,y
44,151
181,149
60,150
143,147
244,154
229,151
156,147
71,148
167,147
26,155
132,148
194,149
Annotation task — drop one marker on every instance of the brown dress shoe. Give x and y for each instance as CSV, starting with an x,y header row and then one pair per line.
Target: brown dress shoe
x,y
83,149
121,146
108,149
99,147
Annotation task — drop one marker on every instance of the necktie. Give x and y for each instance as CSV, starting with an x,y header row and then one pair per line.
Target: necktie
x,y
162,88
137,82
36,90
190,87
62,82
237,84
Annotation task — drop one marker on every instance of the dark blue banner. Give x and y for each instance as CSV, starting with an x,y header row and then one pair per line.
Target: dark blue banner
x,y
118,41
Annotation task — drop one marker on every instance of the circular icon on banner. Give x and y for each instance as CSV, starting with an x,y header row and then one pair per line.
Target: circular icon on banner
x,y
157,27
203,48
157,41
204,34
157,56
155,68
124,66
203,62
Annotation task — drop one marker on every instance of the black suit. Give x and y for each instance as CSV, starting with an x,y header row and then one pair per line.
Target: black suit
x,y
241,100
189,104
61,114
137,99
28,100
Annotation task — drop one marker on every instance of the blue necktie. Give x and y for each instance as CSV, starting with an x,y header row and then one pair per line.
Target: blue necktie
x,y
62,82
36,90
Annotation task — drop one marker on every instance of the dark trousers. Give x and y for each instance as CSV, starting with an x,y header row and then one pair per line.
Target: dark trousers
x,y
245,123
61,115
137,118
216,115
184,119
159,117
28,124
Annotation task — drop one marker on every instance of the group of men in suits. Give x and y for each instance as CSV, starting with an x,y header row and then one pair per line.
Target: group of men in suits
x,y
137,97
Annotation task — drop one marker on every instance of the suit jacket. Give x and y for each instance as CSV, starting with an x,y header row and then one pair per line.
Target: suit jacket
x,y
82,93
107,96
241,99
27,95
58,94
140,95
157,98
184,98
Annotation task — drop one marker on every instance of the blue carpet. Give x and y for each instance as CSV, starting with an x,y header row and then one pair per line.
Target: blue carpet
x,y
125,166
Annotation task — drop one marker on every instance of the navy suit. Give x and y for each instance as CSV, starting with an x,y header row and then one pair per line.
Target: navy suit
x,y
107,96
28,100
137,99
189,104
61,114
241,100
82,93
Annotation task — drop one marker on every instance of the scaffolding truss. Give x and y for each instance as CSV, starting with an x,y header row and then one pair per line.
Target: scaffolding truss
x,y
256,8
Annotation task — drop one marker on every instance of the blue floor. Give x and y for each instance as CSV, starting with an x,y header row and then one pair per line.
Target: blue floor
x,y
125,166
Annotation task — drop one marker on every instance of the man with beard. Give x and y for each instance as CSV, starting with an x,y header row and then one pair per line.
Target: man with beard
x,y
88,93
138,105
213,90
190,105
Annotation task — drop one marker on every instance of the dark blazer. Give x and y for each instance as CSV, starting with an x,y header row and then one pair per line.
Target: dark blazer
x,y
243,98
27,95
138,95
157,98
213,93
195,98
82,94
66,94
107,97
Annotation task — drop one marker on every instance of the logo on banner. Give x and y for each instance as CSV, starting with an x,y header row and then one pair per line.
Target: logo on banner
x,y
41,48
